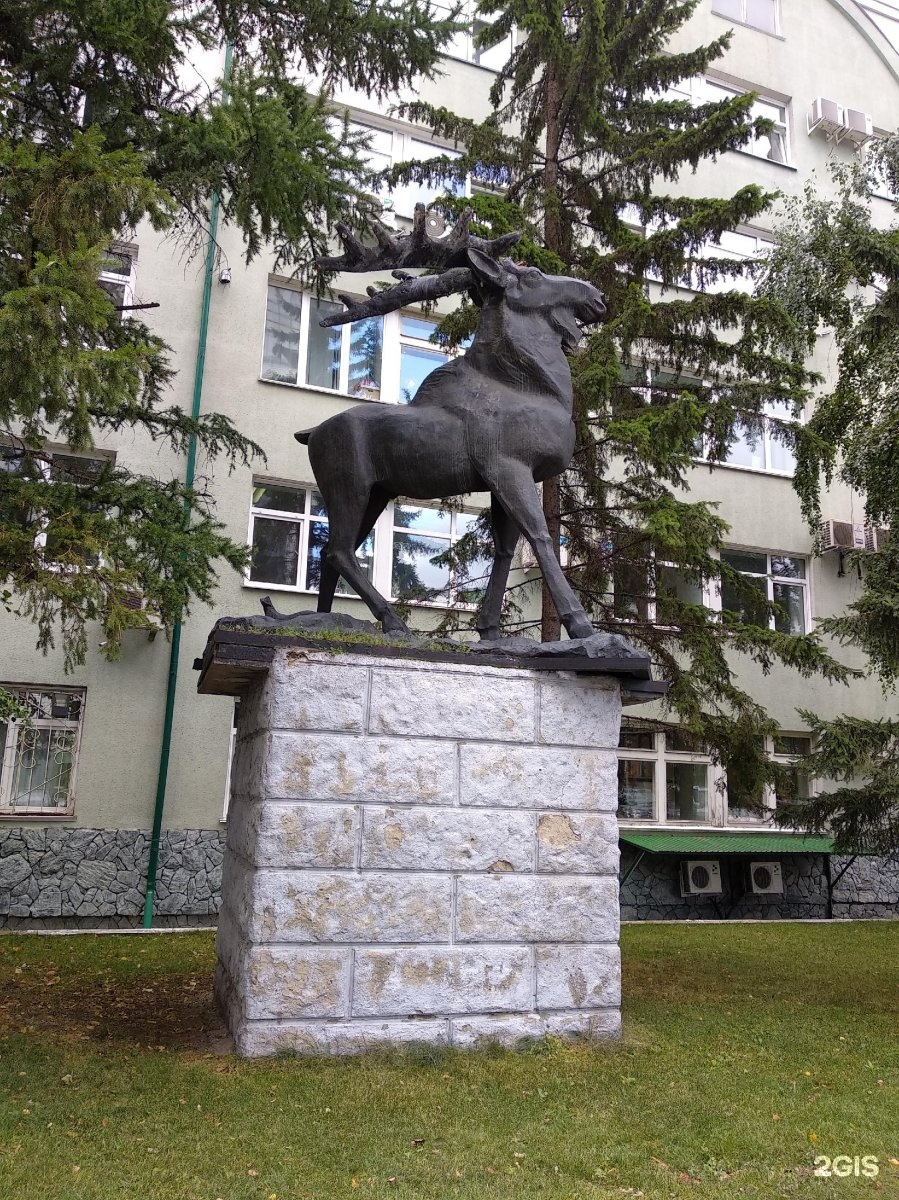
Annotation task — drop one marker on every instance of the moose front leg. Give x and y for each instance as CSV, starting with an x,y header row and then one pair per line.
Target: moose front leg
x,y
512,484
505,539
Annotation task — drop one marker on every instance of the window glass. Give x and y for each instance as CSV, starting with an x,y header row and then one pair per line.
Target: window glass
x,y
744,560
281,345
416,327
284,499
472,583
788,743
728,8
742,604
747,450
687,791
637,739
415,366
365,347
318,536
413,570
672,584
636,790
422,520
787,567
37,761
791,605
761,14
323,354
275,551
630,601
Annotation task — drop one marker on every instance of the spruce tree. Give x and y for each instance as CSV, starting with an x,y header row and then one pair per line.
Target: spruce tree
x,y
836,267
100,133
582,152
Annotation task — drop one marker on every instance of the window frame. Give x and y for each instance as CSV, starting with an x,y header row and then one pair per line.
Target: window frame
x,y
770,803
393,340
306,519
660,755
128,282
401,151
461,47
701,89
9,811
743,19
805,583
765,440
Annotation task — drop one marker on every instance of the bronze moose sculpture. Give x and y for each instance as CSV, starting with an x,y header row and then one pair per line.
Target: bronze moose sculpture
x,y
498,419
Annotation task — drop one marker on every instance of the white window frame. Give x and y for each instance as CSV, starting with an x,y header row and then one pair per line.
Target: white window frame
x,y
305,520
706,89
393,339
405,145
382,556
462,45
749,820
232,743
17,730
660,756
743,18
116,279
715,601
764,441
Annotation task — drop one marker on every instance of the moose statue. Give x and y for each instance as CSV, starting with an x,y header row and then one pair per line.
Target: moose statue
x,y
498,419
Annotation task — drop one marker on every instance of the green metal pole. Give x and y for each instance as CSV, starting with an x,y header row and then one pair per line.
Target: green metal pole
x,y
189,473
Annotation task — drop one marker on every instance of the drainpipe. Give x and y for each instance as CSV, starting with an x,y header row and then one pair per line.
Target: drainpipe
x,y
190,470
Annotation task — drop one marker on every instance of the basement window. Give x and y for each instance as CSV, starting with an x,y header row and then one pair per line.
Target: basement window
x,y
38,758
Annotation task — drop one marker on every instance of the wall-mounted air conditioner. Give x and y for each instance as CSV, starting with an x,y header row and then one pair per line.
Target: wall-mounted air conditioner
x,y
766,878
876,539
700,877
826,116
859,126
840,535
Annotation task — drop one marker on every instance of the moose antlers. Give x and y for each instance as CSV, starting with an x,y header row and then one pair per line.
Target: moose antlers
x,y
398,252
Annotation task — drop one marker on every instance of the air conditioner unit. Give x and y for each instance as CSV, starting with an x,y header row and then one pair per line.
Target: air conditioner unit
x,y
859,127
766,879
827,117
137,602
700,877
876,539
840,535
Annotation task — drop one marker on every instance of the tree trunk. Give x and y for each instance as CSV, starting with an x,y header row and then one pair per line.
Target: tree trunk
x,y
550,625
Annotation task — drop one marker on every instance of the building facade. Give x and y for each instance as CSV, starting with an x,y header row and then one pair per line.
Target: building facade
x,y
78,790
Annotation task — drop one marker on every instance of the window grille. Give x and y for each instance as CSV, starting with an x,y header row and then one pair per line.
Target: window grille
x,y
38,757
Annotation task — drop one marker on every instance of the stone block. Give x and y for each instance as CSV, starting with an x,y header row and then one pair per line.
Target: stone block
x,y
445,704
309,906
289,984
578,977
442,980
95,873
469,1033
577,842
538,777
582,713
294,835
447,839
259,1039
512,908
14,868
248,767
316,695
47,903
331,767
588,1026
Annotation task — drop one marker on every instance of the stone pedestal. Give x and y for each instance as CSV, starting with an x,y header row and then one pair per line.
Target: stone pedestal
x,y
419,851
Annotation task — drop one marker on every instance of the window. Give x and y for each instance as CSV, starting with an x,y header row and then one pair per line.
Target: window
x,y
419,536
296,349
773,145
418,355
462,45
380,358
663,776
785,750
55,466
387,148
760,14
777,578
738,246
118,274
288,528
762,450
38,759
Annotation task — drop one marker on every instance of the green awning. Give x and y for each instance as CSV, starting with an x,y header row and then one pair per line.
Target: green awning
x,y
658,841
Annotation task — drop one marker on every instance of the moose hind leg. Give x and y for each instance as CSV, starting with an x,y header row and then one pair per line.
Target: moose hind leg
x,y
339,555
505,539
330,576
512,484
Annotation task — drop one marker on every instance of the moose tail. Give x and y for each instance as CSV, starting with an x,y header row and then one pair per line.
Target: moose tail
x,y
304,435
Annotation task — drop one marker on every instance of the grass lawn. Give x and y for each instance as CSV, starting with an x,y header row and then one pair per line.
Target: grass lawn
x,y
748,1051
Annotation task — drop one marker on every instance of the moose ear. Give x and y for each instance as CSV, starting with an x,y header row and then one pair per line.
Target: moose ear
x,y
487,269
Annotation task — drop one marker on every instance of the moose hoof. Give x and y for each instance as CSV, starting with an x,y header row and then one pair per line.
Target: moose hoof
x,y
580,628
390,623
